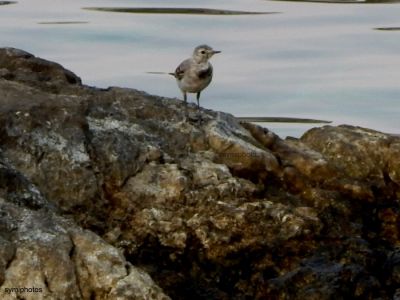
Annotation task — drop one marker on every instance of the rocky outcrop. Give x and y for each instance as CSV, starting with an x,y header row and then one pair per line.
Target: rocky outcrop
x,y
46,256
117,194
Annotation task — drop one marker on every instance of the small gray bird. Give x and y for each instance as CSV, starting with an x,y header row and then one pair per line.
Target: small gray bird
x,y
194,74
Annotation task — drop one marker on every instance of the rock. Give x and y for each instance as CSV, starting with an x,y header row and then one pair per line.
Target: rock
x,y
116,194
236,147
366,158
61,261
45,256
103,272
22,66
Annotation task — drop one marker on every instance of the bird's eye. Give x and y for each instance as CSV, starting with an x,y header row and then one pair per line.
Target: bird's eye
x,y
202,52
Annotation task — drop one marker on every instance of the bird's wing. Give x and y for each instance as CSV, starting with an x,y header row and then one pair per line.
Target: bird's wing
x,y
182,68
205,73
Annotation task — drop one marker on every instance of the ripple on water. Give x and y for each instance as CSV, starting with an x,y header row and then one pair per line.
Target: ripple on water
x,y
388,28
164,10
345,1
7,2
282,120
63,22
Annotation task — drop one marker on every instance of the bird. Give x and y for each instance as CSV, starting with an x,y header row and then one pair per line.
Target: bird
x,y
194,74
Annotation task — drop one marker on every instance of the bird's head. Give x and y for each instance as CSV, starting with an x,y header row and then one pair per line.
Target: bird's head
x,y
203,53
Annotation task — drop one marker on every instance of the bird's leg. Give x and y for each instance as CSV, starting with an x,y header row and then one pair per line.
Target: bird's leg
x,y
198,99
198,108
186,107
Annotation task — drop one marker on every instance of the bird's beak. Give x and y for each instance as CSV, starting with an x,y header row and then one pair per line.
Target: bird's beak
x,y
215,52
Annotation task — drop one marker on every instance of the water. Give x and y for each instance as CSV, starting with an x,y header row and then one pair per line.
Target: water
x,y
312,60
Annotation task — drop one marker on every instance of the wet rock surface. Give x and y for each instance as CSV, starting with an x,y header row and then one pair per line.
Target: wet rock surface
x,y
117,194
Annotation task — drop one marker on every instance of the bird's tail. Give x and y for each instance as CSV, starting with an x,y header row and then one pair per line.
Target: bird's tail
x,y
161,73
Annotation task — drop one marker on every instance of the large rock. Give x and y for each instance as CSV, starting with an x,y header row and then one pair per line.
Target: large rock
x,y
46,256
22,66
125,188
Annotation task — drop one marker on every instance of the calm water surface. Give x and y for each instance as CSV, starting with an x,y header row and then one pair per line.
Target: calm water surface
x,y
312,60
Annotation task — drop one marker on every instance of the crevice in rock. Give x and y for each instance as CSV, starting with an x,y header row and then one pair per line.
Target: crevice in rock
x,y
92,295
191,274
12,258
40,157
90,152
71,254
126,179
46,283
72,250
102,199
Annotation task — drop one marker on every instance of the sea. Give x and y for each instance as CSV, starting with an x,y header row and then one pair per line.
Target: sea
x,y
332,61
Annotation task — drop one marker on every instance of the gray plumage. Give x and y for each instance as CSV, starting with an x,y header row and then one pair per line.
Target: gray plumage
x,y
194,74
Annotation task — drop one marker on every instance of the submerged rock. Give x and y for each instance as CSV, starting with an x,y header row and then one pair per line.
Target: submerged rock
x,y
115,194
